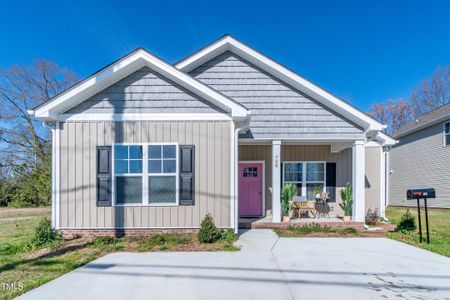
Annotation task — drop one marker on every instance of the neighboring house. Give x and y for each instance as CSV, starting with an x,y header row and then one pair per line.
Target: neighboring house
x,y
142,144
421,159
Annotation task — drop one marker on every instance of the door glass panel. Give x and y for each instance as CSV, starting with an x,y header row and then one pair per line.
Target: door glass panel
x,y
250,172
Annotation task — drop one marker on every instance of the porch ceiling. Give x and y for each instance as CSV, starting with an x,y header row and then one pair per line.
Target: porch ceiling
x,y
336,145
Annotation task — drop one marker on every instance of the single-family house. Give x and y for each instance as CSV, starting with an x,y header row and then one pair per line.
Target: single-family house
x,y
421,159
146,145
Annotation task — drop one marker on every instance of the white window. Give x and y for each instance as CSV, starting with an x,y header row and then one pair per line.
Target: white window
x,y
145,174
315,179
308,176
128,173
447,134
293,173
162,170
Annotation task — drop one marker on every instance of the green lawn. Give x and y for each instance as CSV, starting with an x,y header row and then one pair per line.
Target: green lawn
x,y
24,267
439,220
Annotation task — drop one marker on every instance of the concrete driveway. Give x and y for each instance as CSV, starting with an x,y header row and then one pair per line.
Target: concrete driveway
x,y
266,268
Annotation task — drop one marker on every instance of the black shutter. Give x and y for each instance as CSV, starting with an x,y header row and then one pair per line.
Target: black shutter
x,y
331,182
104,176
187,174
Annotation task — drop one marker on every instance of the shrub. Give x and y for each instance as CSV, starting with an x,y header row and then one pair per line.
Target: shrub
x,y
309,228
372,216
208,231
227,235
287,194
347,199
316,228
407,222
44,234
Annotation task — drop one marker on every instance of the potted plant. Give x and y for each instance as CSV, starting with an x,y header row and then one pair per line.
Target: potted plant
x,y
318,192
347,201
287,194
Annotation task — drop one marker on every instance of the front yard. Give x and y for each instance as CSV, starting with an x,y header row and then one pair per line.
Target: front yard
x,y
439,229
24,266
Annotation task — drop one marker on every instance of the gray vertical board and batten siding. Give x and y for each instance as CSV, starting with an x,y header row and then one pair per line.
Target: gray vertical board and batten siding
x,y
373,177
420,160
146,91
78,144
277,110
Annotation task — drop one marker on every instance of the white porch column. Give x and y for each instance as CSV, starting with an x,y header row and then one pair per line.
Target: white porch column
x,y
358,180
276,181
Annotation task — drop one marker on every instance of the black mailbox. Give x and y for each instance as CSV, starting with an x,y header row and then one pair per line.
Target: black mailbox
x,y
420,194
424,194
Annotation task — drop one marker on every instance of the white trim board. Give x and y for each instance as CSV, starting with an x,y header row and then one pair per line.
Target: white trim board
x,y
228,43
144,117
55,176
124,67
444,134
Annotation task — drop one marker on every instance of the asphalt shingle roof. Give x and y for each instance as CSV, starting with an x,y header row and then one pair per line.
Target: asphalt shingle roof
x,y
424,120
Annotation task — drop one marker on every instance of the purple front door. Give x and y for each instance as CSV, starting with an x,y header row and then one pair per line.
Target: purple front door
x,y
250,189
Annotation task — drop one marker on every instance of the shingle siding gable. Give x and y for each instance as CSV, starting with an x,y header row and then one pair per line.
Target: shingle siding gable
x,y
148,92
277,110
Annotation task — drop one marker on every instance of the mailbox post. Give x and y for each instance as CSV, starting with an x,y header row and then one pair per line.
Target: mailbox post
x,y
422,194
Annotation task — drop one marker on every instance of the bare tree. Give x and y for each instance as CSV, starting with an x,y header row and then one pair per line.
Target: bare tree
x,y
432,92
22,138
393,112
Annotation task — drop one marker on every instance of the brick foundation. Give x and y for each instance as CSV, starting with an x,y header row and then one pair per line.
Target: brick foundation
x,y
77,233
267,225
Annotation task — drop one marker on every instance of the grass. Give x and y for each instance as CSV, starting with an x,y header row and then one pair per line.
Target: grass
x,y
316,230
24,266
439,223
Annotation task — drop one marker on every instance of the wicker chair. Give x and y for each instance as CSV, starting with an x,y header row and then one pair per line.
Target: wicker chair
x,y
299,207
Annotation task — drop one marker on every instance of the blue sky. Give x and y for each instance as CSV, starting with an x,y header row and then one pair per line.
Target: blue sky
x,y
363,51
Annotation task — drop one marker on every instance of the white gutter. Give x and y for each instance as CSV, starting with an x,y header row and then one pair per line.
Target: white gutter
x,y
236,180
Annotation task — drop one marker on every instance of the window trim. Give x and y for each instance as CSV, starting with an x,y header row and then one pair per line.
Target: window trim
x,y
304,181
145,175
445,134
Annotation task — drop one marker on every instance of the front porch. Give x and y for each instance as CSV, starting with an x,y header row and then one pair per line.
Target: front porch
x,y
325,165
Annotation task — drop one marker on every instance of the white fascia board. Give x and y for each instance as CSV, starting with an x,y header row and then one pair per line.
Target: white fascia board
x,y
125,67
385,139
143,117
281,72
73,95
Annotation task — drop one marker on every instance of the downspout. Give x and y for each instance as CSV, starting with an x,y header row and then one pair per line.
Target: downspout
x,y
386,178
236,175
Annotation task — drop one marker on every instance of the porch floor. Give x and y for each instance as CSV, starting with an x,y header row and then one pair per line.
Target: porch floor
x,y
266,222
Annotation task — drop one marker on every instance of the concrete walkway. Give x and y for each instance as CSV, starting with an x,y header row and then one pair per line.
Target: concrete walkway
x,y
267,267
